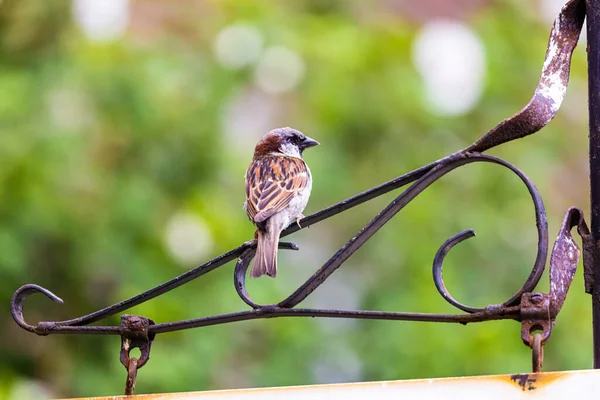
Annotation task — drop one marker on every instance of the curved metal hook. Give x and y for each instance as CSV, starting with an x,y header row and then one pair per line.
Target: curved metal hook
x,y
542,247
438,260
551,87
18,300
23,292
239,277
239,274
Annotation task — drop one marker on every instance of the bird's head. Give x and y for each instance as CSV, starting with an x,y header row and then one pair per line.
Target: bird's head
x,y
284,141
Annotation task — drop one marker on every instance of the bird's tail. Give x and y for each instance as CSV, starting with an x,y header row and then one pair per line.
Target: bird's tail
x,y
265,261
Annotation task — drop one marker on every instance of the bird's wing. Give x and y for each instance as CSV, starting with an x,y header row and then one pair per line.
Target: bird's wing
x,y
271,183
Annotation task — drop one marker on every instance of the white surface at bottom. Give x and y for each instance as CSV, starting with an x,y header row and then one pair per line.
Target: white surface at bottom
x,y
549,385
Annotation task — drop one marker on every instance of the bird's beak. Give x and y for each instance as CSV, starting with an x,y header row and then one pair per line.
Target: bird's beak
x,y
308,142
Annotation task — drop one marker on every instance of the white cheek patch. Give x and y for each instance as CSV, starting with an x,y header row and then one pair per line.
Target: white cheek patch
x,y
290,150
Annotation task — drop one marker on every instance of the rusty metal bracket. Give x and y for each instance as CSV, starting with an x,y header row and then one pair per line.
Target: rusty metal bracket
x,y
539,310
134,334
536,311
542,107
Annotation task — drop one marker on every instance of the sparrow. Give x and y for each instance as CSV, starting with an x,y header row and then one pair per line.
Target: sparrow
x,y
278,185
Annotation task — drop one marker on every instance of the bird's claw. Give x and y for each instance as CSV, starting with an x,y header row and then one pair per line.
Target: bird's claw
x,y
298,220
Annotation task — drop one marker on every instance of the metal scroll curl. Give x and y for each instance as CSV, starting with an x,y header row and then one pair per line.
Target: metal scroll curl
x,y
542,248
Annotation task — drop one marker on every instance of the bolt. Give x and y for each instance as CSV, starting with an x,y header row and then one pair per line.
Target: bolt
x,y
537,297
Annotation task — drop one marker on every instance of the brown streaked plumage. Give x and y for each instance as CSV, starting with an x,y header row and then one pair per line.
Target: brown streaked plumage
x,y
272,184
278,185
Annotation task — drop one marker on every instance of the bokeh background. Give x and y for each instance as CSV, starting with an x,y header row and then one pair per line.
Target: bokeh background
x,y
126,128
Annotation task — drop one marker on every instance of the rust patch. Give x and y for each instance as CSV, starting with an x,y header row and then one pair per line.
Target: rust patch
x,y
526,381
529,382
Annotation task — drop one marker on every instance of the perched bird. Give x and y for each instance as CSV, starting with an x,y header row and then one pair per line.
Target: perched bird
x,y
278,185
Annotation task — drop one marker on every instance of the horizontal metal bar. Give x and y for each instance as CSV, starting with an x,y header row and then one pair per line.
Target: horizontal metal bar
x,y
278,312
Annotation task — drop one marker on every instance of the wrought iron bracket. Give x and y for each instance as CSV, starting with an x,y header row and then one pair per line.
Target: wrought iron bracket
x,y
539,310
536,311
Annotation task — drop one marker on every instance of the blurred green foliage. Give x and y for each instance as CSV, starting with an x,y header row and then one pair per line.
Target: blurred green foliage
x,y
102,143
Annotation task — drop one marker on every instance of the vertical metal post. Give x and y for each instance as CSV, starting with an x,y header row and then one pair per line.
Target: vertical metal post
x,y
593,37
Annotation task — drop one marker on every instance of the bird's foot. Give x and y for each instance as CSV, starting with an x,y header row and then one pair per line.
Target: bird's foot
x,y
298,220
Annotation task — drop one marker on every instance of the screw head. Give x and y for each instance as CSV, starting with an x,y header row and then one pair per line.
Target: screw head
x,y
537,297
